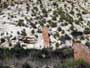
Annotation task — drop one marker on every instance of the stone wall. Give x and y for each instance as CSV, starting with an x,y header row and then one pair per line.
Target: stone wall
x,y
81,52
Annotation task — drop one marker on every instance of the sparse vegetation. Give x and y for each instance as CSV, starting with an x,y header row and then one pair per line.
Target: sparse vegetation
x,y
66,55
20,23
62,17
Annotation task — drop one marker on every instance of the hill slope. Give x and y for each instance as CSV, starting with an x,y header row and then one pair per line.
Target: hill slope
x,y
62,17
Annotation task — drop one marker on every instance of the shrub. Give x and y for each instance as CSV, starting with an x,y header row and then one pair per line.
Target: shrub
x,y
26,65
81,64
44,10
57,45
41,23
23,32
32,31
87,31
54,18
68,52
20,23
2,40
59,29
55,4
53,24
35,8
87,44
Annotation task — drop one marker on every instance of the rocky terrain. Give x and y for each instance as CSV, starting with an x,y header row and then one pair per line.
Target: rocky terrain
x,y
66,20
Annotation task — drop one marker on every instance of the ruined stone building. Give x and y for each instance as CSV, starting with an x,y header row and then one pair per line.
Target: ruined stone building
x,y
81,52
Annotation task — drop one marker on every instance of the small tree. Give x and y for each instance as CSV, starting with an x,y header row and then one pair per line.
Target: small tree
x,y
87,31
53,24
2,40
59,29
2,34
54,18
57,45
20,23
23,33
32,31
87,44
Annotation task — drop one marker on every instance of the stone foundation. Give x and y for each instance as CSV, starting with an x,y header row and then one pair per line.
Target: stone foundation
x,y
81,52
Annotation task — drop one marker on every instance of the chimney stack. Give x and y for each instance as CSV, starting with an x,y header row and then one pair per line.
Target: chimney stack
x,y
45,37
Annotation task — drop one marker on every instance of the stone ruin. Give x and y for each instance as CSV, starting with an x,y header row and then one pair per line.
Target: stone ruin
x,y
81,52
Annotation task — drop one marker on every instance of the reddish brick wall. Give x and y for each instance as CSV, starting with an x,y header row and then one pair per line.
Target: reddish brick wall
x,y
81,52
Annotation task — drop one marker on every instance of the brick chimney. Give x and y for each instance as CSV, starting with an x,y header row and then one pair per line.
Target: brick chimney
x,y
45,37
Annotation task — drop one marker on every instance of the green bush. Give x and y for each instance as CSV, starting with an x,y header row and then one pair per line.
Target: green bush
x,y
81,64
21,23
87,31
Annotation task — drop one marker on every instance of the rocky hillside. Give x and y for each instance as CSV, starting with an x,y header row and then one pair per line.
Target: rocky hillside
x,y
66,19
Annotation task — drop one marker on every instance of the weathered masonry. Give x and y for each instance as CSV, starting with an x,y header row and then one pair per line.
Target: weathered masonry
x,y
81,52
